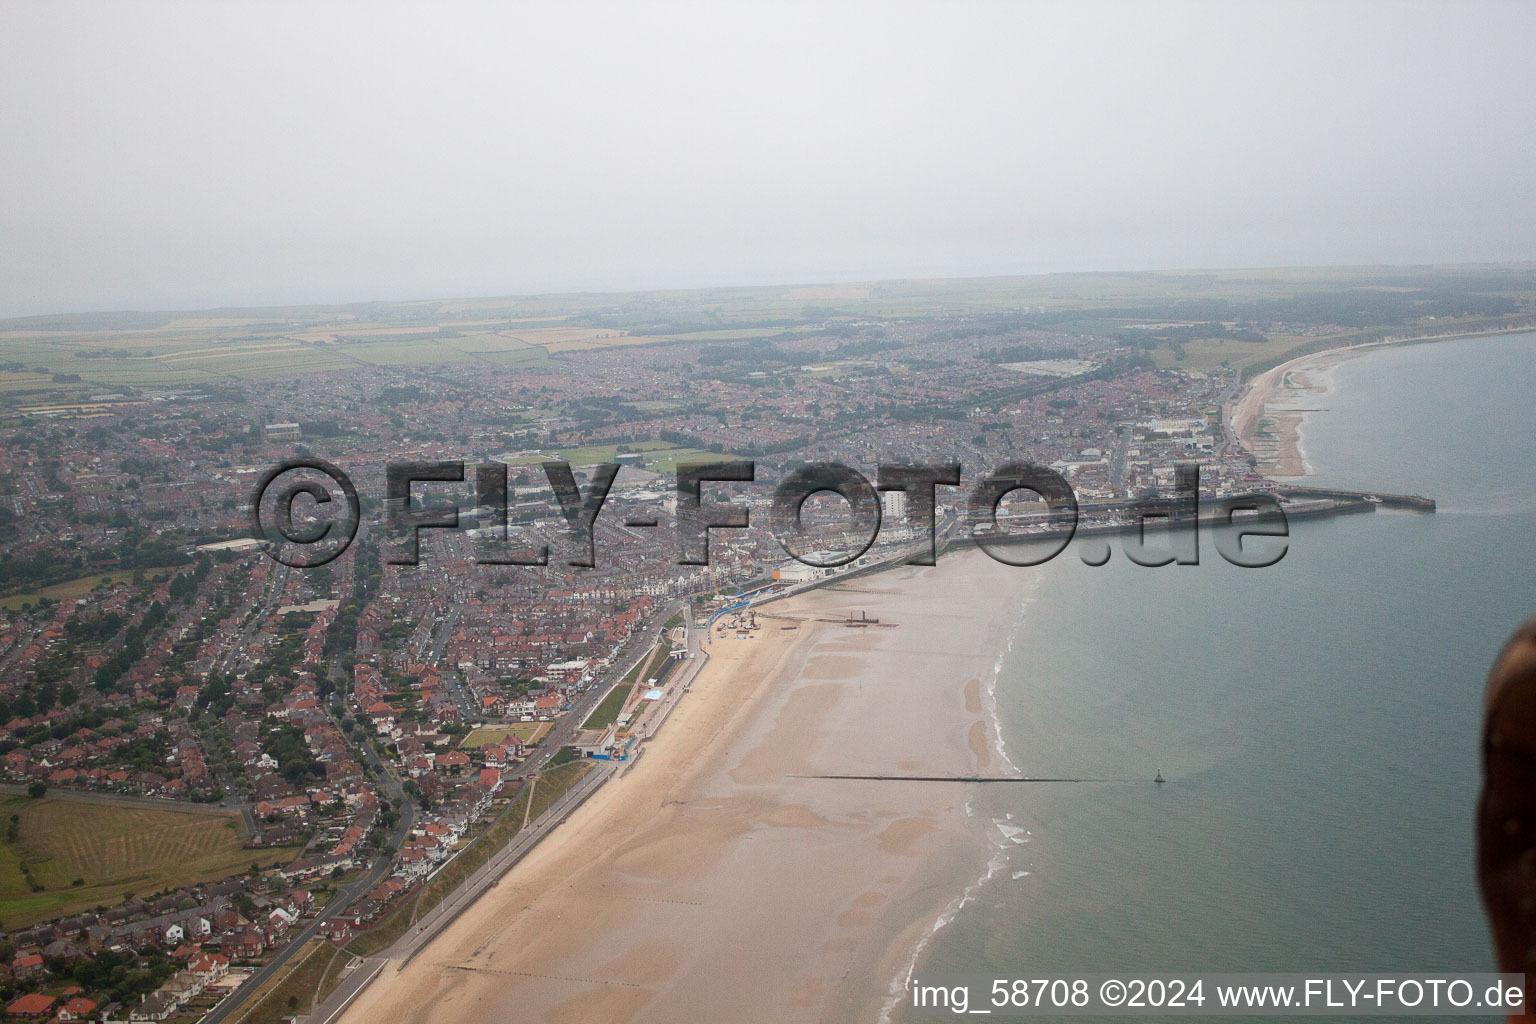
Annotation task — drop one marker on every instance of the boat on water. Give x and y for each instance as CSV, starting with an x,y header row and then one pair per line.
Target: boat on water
x,y
1159,779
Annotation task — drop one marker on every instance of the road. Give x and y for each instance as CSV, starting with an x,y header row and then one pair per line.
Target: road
x,y
484,877
1230,443
390,786
469,708
564,728
1117,463
270,598
566,725
298,938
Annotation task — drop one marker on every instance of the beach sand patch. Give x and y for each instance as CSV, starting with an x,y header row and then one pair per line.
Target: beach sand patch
x,y
976,739
899,835
835,667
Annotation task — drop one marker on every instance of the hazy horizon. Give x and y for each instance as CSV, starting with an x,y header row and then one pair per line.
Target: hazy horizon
x,y
174,156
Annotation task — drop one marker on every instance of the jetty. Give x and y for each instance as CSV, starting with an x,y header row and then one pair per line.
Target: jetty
x,y
1412,502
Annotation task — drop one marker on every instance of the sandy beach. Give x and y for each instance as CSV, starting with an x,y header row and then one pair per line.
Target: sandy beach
x,y
708,882
1267,417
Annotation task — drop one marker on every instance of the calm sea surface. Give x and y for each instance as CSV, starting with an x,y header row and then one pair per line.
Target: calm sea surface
x,y
1317,720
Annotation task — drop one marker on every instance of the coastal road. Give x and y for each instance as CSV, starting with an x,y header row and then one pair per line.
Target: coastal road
x,y
489,874
484,878
943,533
566,725
297,939
473,887
677,683
1229,439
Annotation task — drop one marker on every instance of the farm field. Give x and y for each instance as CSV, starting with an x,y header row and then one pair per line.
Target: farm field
x,y
556,340
68,357
112,850
734,333
189,353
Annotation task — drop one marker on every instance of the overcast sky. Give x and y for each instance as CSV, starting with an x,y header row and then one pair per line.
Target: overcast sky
x,y
185,155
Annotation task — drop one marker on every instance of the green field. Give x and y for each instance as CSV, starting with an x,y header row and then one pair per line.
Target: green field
x,y
733,334
668,461
74,588
660,457
593,455
117,351
1210,353
189,352
529,732
113,849
607,712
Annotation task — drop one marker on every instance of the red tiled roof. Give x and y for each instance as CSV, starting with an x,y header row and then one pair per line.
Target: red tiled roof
x,y
32,1004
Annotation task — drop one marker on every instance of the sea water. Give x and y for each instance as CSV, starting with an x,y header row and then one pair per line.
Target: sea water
x,y
1317,720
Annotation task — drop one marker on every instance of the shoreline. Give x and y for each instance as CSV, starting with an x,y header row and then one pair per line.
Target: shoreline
x,y
1273,433
915,940
705,881
674,773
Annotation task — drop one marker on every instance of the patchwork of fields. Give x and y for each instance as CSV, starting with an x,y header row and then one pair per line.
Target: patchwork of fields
x,y
181,357
174,359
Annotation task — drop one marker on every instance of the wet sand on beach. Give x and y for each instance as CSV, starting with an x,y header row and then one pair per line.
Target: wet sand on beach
x,y
708,882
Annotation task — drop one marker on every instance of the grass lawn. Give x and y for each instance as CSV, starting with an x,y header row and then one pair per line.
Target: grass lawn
x,y
594,454
604,714
113,850
634,673
74,588
529,732
660,456
667,462
663,651
299,980
1209,353
647,666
